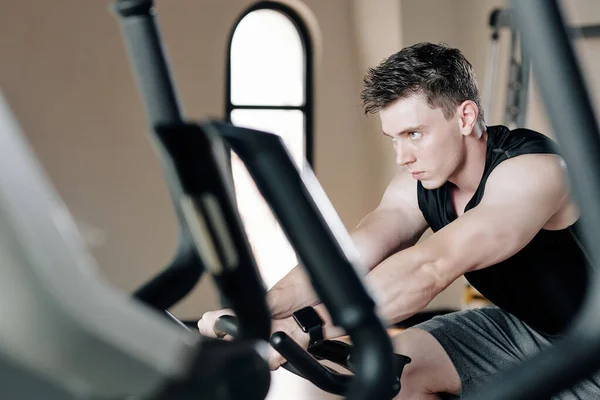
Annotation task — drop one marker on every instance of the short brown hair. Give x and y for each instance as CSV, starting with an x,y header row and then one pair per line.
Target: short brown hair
x,y
440,72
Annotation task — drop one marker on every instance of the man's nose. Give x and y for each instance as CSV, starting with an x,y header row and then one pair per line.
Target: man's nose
x,y
403,156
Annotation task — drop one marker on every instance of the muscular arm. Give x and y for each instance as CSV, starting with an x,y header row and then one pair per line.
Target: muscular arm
x,y
522,195
395,224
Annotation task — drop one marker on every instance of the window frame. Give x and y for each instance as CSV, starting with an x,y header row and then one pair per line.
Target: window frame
x,y
307,108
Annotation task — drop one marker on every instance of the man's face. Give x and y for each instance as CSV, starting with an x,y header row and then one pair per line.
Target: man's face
x,y
427,144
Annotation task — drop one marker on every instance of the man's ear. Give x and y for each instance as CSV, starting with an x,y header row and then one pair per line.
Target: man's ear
x,y
467,114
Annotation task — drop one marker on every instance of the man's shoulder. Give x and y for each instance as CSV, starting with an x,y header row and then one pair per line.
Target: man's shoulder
x,y
402,190
518,135
507,143
530,134
540,174
520,130
519,156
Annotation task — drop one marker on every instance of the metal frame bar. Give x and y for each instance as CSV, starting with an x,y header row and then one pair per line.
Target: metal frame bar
x,y
152,73
515,105
577,355
325,250
586,31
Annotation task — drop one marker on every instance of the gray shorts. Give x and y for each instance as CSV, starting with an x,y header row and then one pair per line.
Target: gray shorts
x,y
482,342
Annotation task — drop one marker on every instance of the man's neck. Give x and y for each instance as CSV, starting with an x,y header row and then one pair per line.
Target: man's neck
x,y
469,174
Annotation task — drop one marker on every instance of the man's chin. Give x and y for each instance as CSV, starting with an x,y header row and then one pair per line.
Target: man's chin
x,y
430,184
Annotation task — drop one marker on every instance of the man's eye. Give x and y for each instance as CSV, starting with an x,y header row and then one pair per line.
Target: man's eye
x,y
415,135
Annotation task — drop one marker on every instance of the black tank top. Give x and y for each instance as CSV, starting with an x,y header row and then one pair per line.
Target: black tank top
x,y
544,283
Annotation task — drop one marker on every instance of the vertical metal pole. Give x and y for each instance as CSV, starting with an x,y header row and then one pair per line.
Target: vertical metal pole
x,y
144,45
561,83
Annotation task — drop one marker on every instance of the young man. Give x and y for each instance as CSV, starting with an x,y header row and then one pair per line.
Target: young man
x,y
499,206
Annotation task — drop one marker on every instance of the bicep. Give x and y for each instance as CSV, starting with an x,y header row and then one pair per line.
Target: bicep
x,y
395,224
522,194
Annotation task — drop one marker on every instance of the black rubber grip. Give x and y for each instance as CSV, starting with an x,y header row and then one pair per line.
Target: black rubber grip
x,y
226,325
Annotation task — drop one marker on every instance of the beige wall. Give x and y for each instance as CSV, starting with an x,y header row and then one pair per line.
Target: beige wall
x,y
378,33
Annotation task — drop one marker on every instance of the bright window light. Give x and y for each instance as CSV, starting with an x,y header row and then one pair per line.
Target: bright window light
x,y
267,69
267,61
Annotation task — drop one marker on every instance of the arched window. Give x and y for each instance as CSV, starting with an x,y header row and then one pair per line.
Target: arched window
x,y
269,88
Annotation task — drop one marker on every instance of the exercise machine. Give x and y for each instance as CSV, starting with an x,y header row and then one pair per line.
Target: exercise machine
x,y
548,40
306,364
519,66
515,107
194,157
65,333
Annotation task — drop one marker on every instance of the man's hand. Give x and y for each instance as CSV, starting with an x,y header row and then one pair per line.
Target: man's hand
x,y
206,325
286,325
291,328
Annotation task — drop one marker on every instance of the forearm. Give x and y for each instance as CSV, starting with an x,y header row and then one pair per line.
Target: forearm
x,y
295,290
405,283
291,293
402,285
380,234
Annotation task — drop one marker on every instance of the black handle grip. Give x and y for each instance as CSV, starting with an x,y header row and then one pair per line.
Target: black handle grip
x,y
341,353
300,362
226,325
333,350
305,364
308,367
